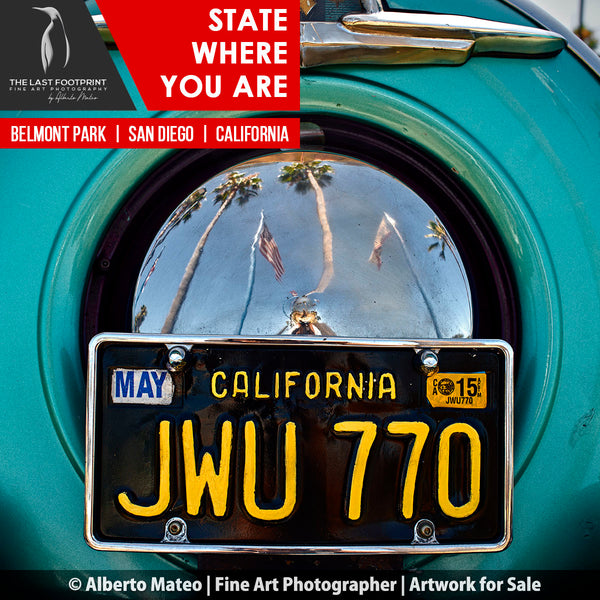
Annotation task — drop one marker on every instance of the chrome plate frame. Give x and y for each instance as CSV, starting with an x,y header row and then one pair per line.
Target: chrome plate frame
x,y
170,340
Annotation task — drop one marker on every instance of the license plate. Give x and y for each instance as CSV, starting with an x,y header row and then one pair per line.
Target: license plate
x,y
298,445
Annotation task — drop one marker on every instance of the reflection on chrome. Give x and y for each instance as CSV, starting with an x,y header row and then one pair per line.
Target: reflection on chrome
x,y
304,243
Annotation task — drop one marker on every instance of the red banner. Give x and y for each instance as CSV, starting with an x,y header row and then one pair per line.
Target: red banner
x,y
150,133
210,55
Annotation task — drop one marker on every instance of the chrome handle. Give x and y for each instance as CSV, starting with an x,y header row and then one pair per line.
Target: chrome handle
x,y
382,37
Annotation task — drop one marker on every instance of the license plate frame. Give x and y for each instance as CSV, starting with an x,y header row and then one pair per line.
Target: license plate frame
x,y
101,405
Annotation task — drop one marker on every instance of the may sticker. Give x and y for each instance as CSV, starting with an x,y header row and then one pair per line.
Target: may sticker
x,y
141,386
457,390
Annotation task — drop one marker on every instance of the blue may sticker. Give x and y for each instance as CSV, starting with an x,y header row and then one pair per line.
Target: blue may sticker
x,y
142,386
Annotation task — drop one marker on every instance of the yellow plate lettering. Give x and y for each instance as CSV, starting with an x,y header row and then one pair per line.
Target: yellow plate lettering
x,y
420,431
367,431
215,482
164,478
288,504
468,508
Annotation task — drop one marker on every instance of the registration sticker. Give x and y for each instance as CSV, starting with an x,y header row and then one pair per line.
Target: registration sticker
x,y
141,386
457,390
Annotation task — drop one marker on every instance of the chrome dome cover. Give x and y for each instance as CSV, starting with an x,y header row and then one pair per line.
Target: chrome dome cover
x,y
392,268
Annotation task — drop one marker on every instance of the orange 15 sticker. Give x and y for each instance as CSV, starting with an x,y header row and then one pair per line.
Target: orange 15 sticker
x,y
457,390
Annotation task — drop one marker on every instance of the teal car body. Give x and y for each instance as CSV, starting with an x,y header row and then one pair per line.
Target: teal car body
x,y
522,135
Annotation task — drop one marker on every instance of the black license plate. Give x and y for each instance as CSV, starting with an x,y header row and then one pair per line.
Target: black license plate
x,y
301,445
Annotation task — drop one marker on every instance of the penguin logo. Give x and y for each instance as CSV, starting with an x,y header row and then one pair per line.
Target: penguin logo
x,y
53,32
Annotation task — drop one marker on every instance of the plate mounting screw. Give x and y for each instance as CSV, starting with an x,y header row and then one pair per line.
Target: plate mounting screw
x,y
176,531
428,362
177,358
175,528
424,532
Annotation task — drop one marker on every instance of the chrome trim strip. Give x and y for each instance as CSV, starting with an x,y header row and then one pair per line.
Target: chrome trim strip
x,y
184,340
386,37
333,43
489,36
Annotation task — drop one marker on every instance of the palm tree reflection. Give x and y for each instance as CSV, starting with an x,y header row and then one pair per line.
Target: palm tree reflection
x,y
305,176
441,235
238,186
314,175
